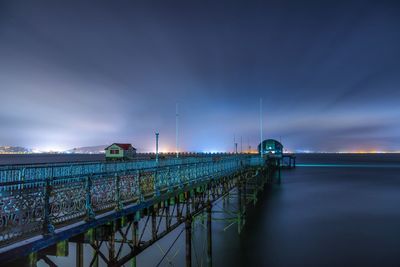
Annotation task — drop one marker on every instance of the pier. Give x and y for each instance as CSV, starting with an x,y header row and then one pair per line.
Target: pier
x,y
120,206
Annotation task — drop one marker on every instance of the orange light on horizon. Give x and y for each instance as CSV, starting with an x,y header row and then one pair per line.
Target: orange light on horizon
x,y
372,151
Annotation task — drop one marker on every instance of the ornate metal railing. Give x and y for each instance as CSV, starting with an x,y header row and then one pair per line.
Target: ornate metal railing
x,y
39,199
10,173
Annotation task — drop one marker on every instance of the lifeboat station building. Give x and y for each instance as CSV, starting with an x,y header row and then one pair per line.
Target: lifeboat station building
x,y
118,151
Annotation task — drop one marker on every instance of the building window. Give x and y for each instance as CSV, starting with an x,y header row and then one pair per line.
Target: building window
x,y
114,151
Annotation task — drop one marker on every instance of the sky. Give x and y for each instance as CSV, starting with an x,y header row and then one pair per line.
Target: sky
x,y
83,73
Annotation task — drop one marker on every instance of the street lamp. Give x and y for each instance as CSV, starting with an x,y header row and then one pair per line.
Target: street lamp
x,y
157,147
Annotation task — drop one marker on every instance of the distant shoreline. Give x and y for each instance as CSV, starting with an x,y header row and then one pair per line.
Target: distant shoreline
x,y
102,153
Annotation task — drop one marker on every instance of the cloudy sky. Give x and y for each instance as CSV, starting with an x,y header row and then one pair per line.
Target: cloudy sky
x,y
95,72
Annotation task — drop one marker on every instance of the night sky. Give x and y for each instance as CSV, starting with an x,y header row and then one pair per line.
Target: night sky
x,y
91,73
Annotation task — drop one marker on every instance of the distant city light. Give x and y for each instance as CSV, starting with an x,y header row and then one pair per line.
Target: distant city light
x,y
213,151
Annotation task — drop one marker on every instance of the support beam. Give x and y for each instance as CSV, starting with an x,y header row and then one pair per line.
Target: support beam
x,y
95,261
166,210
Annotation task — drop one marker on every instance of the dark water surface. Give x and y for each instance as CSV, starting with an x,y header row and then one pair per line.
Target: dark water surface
x,y
333,210
327,216
15,159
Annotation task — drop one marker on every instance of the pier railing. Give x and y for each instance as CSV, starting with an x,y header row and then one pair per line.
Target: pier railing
x,y
39,199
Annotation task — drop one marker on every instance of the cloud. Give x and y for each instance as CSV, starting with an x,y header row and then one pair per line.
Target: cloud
x,y
78,74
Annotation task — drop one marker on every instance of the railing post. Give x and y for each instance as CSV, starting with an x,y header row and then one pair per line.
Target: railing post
x,y
118,202
170,181
88,203
140,191
190,174
180,176
196,173
22,179
156,183
48,227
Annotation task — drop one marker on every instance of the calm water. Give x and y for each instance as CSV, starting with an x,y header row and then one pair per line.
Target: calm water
x,y
328,212
6,159
327,216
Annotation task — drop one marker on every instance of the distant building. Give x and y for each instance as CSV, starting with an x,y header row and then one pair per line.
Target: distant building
x,y
271,146
119,151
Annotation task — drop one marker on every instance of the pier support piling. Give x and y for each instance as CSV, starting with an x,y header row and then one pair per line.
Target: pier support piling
x,y
79,254
239,189
188,228
135,239
153,223
209,234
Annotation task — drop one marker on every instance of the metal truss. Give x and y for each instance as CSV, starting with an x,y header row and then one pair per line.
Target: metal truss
x,y
119,241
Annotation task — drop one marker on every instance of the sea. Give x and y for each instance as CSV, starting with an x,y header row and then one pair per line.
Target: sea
x,y
331,210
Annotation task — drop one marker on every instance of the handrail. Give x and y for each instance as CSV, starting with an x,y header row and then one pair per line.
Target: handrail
x,y
39,204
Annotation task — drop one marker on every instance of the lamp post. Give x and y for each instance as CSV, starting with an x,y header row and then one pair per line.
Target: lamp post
x,y
157,147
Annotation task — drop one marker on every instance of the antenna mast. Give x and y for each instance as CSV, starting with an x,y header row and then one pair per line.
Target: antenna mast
x,y
261,128
234,143
176,130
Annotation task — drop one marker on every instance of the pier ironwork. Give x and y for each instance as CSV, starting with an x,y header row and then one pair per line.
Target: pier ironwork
x,y
112,206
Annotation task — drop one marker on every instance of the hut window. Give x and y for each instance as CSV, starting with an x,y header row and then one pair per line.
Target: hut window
x,y
114,151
